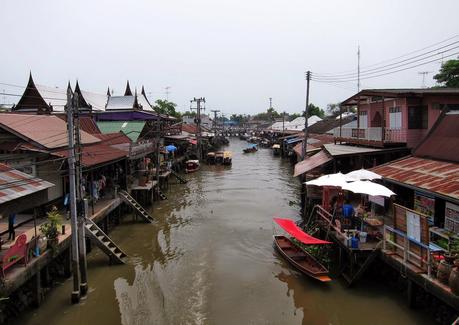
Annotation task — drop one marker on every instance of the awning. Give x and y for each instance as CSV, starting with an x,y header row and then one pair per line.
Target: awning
x,y
295,140
310,163
290,227
15,184
193,141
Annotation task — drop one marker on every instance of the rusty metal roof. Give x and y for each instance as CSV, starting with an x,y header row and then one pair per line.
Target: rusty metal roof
x,y
97,154
88,124
312,162
15,184
46,131
430,175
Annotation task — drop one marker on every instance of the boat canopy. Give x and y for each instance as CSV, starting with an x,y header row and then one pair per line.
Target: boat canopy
x,y
252,145
227,154
290,227
276,146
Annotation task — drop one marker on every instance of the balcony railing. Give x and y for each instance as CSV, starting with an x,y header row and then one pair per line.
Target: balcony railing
x,y
371,134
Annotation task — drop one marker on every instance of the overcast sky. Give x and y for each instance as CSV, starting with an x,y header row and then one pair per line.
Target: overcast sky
x,y
236,53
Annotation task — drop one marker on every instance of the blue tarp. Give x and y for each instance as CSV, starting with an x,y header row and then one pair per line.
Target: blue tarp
x,y
171,148
295,140
252,145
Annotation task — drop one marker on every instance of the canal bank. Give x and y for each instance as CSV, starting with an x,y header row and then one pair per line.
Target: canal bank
x,y
209,260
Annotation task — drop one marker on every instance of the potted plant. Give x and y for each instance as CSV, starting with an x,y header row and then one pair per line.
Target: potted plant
x,y
50,228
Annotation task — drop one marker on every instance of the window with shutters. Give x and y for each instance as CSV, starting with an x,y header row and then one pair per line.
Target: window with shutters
x,y
395,118
363,119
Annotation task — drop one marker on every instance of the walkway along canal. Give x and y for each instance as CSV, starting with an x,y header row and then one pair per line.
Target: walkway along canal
x,y
209,259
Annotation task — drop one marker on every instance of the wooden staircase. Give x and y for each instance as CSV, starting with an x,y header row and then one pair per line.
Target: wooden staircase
x,y
161,195
104,242
126,197
180,178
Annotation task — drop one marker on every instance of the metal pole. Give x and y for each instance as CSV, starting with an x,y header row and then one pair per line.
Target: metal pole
x,y
75,297
306,115
158,160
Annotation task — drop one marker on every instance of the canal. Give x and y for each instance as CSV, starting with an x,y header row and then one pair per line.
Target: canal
x,y
210,260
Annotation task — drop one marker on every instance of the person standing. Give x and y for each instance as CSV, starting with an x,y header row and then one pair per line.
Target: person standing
x,y
11,221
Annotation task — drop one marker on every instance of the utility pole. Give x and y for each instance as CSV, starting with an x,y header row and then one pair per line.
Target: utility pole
x,y
270,102
358,69
75,297
198,123
283,123
305,140
158,137
81,207
424,74
167,92
306,115
215,111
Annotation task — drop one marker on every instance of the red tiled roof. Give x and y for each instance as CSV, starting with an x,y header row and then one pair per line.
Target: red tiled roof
x,y
443,140
113,138
46,131
190,128
427,174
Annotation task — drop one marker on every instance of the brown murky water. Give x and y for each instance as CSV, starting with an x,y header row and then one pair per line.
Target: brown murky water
x,y
210,260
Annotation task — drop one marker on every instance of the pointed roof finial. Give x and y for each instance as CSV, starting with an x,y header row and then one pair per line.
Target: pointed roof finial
x,y
77,86
143,91
108,92
128,91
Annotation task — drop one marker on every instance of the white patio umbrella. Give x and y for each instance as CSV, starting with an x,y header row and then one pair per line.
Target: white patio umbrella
x,y
362,174
367,187
337,180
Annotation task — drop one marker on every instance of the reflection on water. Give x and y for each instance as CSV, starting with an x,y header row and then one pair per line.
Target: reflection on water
x,y
209,259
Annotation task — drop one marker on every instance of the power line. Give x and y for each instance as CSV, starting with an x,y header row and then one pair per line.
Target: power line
x,y
398,57
386,68
383,74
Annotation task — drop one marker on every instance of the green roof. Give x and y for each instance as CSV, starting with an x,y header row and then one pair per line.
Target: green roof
x,y
131,128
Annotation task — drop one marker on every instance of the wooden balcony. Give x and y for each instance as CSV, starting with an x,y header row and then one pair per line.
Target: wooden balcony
x,y
372,136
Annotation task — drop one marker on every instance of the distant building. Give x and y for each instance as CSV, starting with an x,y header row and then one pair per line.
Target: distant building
x,y
206,121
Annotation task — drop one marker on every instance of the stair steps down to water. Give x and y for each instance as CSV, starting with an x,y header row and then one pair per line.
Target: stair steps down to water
x,y
180,178
161,195
104,242
126,197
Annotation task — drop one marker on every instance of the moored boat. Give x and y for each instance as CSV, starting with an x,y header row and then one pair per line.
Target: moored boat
x,y
219,157
276,149
296,256
251,148
227,158
211,158
191,166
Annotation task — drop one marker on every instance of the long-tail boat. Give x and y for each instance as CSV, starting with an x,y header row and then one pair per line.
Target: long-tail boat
x,y
295,255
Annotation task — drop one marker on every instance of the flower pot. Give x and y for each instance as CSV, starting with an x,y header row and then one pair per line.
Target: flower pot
x,y
444,271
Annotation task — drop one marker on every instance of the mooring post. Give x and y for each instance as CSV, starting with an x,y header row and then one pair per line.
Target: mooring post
x,y
37,294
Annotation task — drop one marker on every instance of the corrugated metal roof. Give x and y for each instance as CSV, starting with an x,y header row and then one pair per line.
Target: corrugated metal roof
x,y
120,103
97,101
315,141
427,174
45,130
96,154
310,163
87,124
343,150
144,102
443,140
132,129
15,184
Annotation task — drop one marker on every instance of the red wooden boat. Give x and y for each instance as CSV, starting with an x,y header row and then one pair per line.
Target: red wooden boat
x,y
296,256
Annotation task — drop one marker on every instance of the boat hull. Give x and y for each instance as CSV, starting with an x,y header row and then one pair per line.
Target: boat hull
x,y
300,259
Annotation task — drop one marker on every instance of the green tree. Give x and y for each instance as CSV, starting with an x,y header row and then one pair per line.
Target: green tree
x,y
448,76
293,116
315,110
166,107
189,113
333,108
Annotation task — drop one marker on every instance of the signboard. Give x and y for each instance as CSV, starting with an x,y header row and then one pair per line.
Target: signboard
x,y
413,226
452,217
425,204
379,200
